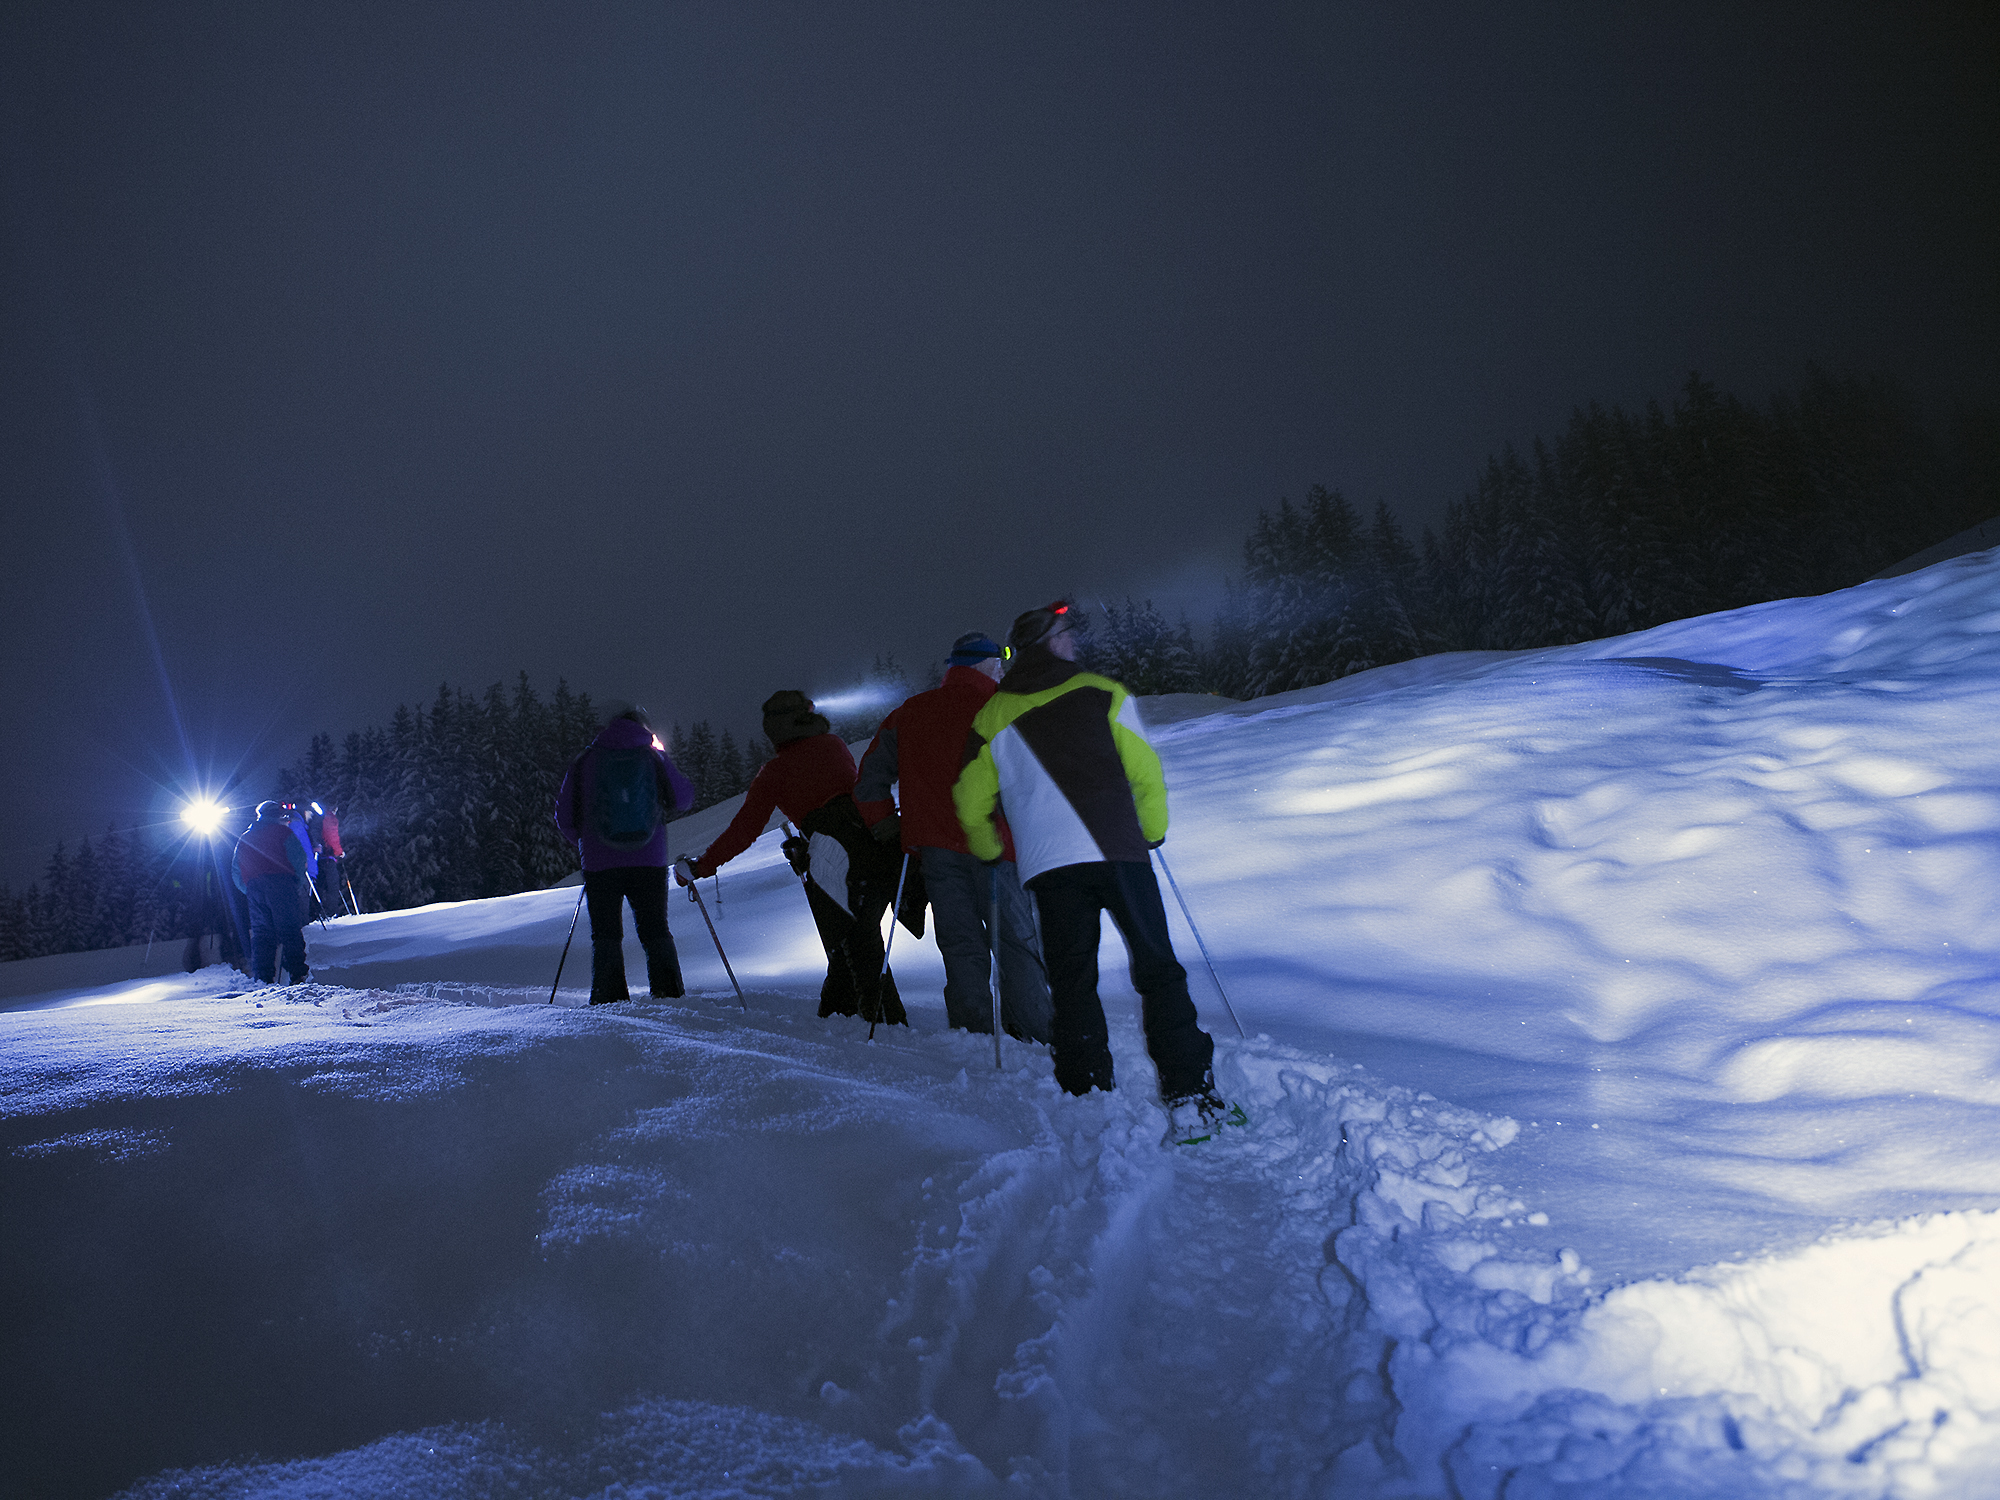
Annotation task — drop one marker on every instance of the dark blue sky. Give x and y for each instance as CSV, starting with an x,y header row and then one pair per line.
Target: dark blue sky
x,y
691,351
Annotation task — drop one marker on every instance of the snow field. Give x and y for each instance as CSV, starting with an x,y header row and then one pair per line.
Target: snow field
x,y
1625,1033
883,1260
1733,914
1077,1309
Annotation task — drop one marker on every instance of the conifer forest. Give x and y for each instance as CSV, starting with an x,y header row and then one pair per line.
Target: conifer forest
x,y
1622,521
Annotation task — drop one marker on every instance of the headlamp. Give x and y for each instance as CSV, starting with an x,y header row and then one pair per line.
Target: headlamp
x,y
204,815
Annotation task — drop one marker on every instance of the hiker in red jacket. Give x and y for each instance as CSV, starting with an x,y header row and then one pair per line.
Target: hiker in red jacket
x,y
849,878
269,867
919,748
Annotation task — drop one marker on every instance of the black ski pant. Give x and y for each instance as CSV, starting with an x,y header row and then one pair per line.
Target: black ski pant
x,y
605,892
960,888
332,885
277,925
857,981
1070,899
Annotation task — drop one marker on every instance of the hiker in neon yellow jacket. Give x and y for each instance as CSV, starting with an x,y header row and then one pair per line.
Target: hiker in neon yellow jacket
x,y
1063,751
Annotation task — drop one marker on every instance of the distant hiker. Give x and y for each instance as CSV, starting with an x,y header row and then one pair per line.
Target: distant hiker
x,y
849,877
1063,749
613,806
269,867
295,819
325,825
920,746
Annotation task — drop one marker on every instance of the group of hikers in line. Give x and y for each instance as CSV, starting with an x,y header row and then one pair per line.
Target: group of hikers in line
x,y
1022,787
281,864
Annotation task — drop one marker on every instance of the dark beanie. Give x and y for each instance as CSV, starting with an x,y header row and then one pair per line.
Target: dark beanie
x,y
1037,624
789,715
971,649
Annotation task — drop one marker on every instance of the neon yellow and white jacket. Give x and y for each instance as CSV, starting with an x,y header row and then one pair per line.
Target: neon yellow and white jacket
x,y
1062,751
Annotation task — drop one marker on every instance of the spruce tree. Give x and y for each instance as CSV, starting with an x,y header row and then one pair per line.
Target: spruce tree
x,y
699,764
62,922
13,926
731,778
1225,665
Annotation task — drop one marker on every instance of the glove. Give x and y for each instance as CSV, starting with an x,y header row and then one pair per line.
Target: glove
x,y
798,853
688,869
888,831
1154,844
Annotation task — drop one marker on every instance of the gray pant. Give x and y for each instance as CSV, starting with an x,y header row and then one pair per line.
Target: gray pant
x,y
961,896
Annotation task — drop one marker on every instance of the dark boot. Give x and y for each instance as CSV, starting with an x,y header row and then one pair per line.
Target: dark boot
x,y
607,974
663,974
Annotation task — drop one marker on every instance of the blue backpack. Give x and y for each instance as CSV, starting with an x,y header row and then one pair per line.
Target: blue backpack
x,y
626,798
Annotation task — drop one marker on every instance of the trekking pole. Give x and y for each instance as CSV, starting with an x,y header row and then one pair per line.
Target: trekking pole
x,y
993,930
566,942
352,900
1197,940
314,888
902,874
694,895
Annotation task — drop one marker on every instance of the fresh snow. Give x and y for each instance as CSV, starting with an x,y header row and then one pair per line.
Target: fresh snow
x,y
1624,1121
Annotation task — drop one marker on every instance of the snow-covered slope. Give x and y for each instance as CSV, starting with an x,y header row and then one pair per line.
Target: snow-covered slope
x,y
1625,1120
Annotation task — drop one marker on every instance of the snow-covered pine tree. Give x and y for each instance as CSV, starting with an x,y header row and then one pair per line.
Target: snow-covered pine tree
x,y
1185,655
1598,462
545,856
730,776
62,922
1404,627
501,776
1140,650
1543,598
1225,665
13,926
701,767
1300,565
39,919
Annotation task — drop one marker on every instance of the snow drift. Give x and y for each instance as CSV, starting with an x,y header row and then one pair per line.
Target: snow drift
x,y
1623,1101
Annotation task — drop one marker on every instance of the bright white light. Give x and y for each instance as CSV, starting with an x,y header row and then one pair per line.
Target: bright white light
x,y
858,700
204,816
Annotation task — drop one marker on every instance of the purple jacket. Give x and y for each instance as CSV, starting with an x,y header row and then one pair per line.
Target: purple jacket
x,y
580,785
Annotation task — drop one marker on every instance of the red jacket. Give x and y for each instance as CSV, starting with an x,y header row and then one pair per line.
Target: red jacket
x,y
922,746
804,775
267,847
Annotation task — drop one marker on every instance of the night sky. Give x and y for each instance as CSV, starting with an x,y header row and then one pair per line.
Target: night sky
x,y
693,351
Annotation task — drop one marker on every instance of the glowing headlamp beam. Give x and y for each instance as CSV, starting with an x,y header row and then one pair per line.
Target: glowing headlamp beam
x,y
857,700
204,815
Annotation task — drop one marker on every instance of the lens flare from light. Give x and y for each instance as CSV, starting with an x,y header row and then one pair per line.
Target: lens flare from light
x,y
204,816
